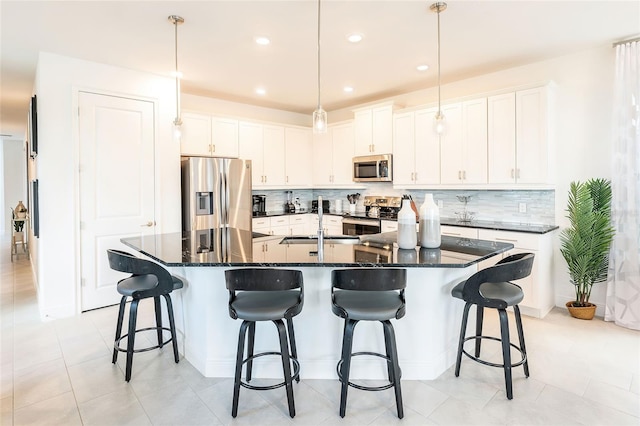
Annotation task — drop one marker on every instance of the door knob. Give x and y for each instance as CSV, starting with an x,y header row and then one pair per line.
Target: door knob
x,y
150,223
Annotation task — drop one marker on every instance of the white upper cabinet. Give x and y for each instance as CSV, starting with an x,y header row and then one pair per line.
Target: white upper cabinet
x,y
273,155
518,147
224,137
206,135
374,130
196,134
251,148
416,149
532,162
501,117
332,156
464,143
298,151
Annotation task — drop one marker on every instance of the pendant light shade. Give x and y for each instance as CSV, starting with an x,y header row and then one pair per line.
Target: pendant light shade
x,y
177,122
319,115
439,123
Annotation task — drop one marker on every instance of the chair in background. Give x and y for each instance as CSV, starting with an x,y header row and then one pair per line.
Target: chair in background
x,y
148,279
491,288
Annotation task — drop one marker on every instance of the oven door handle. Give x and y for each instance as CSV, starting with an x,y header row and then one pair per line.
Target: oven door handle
x,y
366,222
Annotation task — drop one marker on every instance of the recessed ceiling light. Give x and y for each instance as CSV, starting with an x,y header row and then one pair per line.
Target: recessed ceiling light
x,y
263,41
261,91
348,89
354,37
422,67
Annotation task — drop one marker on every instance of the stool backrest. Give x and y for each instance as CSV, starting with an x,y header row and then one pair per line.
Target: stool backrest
x,y
128,263
369,279
263,279
510,268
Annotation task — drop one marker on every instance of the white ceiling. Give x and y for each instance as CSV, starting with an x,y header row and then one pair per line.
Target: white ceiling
x,y
218,56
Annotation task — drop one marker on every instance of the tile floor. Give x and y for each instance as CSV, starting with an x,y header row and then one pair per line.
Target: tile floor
x,y
60,373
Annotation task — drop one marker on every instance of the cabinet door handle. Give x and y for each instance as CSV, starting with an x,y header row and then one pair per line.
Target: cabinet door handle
x,y
459,175
513,173
415,176
213,147
507,240
265,178
287,179
518,173
464,175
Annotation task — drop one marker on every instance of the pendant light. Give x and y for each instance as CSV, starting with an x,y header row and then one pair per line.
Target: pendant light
x,y
319,115
177,122
439,124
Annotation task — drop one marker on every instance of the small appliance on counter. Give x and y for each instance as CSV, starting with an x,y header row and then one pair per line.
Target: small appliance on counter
x,y
289,207
325,206
259,205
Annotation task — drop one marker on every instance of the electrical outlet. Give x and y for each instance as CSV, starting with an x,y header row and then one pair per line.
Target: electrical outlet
x,y
440,204
522,207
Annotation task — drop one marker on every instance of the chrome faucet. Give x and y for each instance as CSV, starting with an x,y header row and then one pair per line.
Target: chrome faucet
x,y
320,231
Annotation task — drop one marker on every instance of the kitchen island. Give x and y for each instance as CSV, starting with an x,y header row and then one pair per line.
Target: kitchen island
x,y
426,336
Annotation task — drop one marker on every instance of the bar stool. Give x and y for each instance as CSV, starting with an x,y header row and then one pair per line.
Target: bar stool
x,y
265,295
369,294
148,279
491,288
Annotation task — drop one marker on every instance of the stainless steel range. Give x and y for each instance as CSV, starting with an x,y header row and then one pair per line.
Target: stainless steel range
x,y
376,208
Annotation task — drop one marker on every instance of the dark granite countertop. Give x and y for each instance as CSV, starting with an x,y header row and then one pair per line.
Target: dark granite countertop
x,y
236,247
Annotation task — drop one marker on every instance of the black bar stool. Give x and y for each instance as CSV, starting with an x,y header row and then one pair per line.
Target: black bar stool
x,y
148,279
491,288
265,295
369,294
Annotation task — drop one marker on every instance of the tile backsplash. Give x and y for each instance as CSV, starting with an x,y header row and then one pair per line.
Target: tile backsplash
x,y
494,205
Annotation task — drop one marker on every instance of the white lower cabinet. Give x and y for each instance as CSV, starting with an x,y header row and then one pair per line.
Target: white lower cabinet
x,y
388,225
269,250
458,231
537,287
332,224
282,225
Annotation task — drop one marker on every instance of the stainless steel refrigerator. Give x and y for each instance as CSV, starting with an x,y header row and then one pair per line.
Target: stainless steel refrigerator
x,y
216,193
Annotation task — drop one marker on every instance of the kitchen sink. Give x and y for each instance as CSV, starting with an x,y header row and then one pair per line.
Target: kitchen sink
x,y
313,239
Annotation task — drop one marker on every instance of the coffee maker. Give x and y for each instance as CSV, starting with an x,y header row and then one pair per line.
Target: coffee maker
x,y
259,205
289,206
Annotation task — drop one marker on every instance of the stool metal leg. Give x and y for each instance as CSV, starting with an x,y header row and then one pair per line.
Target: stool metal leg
x,y
390,336
387,349
506,350
347,344
292,342
286,364
463,329
172,326
250,345
236,380
516,311
133,315
479,318
123,303
158,309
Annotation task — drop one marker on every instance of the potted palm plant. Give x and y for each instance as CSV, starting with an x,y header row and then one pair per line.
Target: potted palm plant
x,y
586,242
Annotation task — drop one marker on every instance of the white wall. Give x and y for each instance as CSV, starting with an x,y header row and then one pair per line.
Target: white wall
x,y
14,174
58,80
233,109
581,134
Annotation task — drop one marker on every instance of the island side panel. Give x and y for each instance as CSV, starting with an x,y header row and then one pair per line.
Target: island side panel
x,y
427,335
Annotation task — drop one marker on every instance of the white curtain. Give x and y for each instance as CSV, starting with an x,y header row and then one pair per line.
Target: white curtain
x,y
623,287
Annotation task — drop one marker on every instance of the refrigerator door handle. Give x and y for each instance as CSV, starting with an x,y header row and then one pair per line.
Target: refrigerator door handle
x,y
224,198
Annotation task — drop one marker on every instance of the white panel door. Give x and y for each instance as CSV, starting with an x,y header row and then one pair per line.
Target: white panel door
x,y
404,156
474,127
427,148
298,157
343,145
116,186
196,134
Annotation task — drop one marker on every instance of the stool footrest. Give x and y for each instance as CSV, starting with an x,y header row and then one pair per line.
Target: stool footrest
x,y
493,364
362,387
294,375
117,347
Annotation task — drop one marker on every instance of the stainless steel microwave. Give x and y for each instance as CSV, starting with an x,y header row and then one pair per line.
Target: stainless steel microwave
x,y
373,168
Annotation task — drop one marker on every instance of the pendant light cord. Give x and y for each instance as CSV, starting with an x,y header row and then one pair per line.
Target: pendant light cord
x,y
318,54
439,109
